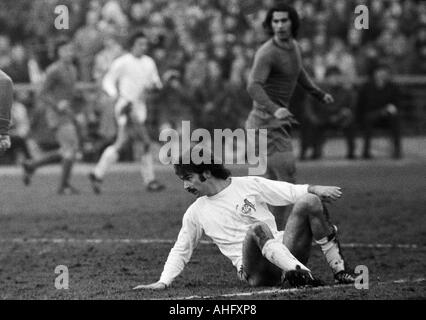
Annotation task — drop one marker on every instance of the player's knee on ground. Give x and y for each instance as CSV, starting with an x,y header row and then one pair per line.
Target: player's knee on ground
x,y
261,233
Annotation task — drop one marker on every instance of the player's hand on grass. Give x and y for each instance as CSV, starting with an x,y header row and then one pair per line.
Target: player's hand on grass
x,y
4,142
328,98
325,193
153,286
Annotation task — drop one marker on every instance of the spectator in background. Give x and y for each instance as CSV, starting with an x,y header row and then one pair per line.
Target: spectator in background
x,y
197,70
394,46
339,57
173,104
339,15
5,57
419,61
239,67
18,68
112,49
113,14
88,42
378,107
338,115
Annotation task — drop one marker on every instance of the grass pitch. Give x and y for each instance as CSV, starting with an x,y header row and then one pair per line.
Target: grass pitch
x,y
103,240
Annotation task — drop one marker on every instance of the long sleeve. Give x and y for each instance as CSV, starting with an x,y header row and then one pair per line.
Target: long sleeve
x,y
188,239
306,82
279,193
258,76
6,98
156,80
110,80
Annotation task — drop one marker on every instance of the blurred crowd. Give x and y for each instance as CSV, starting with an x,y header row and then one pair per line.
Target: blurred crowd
x,y
204,48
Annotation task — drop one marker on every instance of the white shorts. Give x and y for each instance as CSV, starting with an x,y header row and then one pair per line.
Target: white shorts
x,y
137,113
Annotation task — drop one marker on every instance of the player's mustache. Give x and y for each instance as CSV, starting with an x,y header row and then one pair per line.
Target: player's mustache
x,y
192,190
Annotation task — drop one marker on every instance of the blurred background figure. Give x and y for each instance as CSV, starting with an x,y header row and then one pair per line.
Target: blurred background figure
x,y
88,41
57,99
102,103
378,108
129,81
338,116
19,130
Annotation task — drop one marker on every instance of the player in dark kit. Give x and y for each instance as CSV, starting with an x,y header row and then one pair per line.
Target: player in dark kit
x,y
276,71
6,98
58,93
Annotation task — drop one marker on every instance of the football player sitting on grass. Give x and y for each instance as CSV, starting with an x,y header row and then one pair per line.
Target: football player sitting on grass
x,y
233,212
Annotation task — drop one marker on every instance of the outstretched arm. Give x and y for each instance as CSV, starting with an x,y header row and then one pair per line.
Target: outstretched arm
x,y
6,99
280,193
111,79
188,239
326,193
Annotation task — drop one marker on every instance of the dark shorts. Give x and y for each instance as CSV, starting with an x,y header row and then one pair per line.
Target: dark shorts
x,y
278,131
67,138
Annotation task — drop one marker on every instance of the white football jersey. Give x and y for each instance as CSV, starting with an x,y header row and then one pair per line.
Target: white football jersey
x,y
227,216
129,78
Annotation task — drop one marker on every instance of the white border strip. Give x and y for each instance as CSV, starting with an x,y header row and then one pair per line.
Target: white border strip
x,y
171,241
291,290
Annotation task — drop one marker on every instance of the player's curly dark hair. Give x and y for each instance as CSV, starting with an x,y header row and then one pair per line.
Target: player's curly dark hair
x,y
183,167
293,15
134,36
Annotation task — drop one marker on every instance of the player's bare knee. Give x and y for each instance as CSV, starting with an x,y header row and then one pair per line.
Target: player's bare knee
x,y
261,233
311,204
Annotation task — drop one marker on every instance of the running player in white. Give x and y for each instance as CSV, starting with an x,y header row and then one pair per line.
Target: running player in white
x,y
234,213
6,99
130,78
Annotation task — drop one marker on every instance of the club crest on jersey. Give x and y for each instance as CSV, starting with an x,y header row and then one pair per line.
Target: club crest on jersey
x,y
247,207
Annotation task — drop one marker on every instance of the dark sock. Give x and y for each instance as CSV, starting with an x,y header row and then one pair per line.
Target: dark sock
x,y
67,165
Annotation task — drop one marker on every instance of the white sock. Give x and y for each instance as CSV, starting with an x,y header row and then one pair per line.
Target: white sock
x,y
147,168
331,251
278,254
108,158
